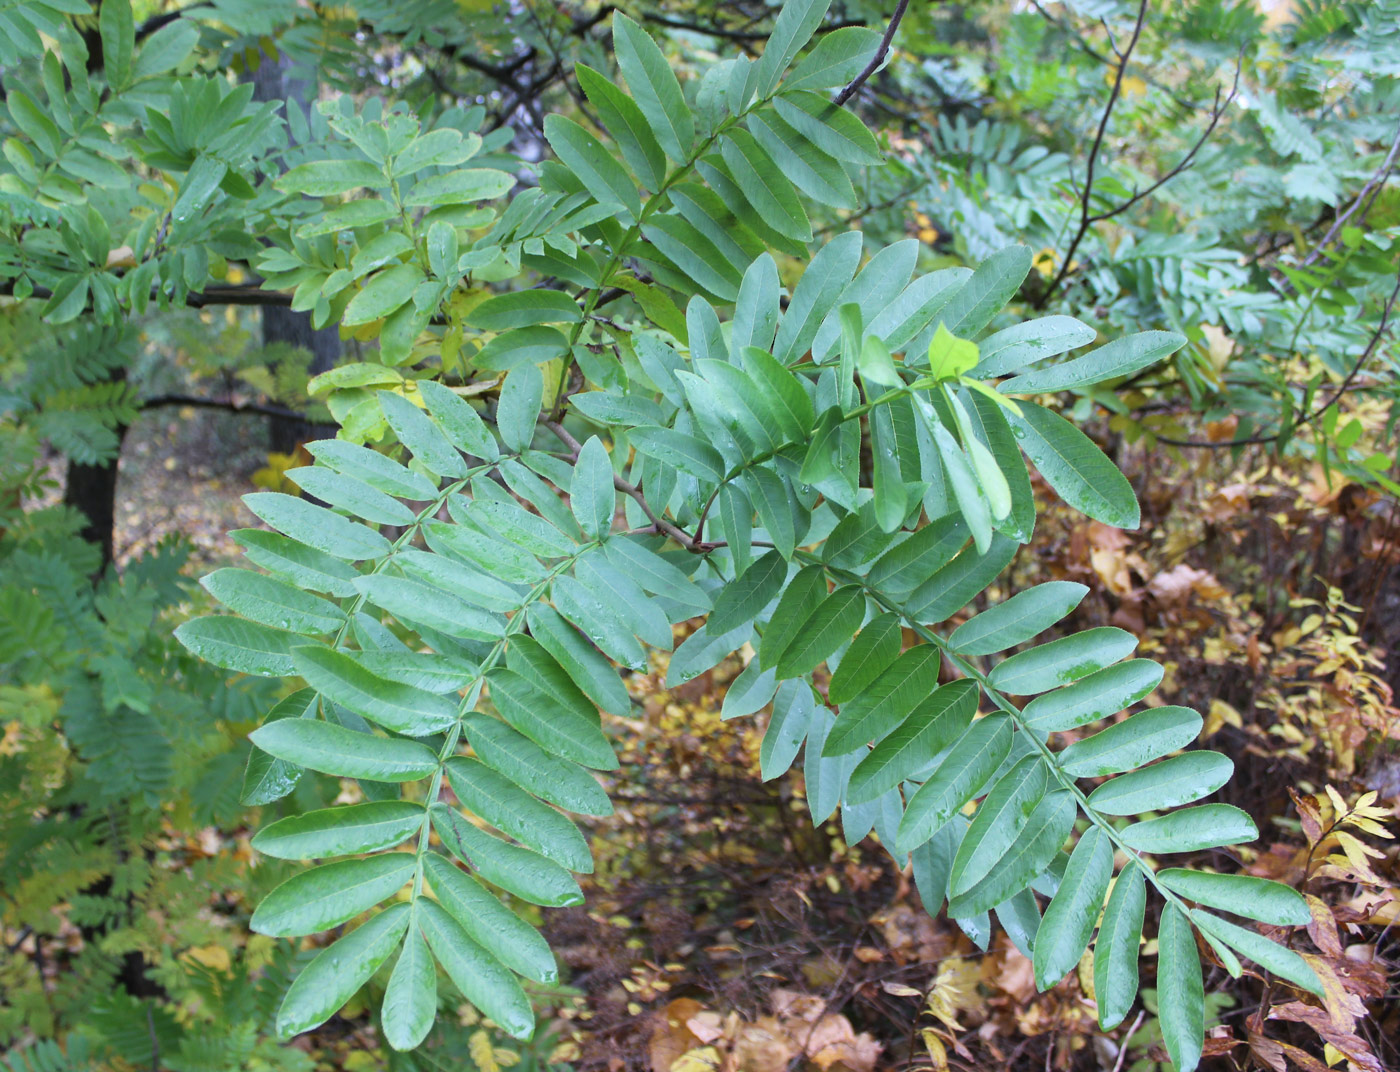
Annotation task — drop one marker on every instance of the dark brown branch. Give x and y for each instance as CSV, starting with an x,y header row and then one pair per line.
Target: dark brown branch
x,y
880,53
227,406
1087,194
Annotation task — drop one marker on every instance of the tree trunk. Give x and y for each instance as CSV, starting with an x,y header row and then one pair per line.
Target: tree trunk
x,y
92,491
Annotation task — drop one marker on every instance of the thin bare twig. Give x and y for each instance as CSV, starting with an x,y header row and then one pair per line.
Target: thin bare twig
x,y
1318,410
880,53
1373,184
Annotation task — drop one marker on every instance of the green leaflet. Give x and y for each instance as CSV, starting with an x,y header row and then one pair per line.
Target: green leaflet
x,y
410,1000
242,646
957,583
559,781
583,662
482,979
327,896
1036,845
338,971
875,647
303,566
456,418
970,762
340,831
1097,696
1018,619
685,452
1168,784
875,713
703,650
1121,357
1077,469
266,779
520,309
416,431
376,470
1283,962
591,495
796,23
524,873
558,719
793,708
934,724
749,692
588,159
1060,662
803,595
337,751
317,527
1069,921
416,603
931,862
656,574
828,627
627,125
654,87
824,776
1116,951
1244,895
489,923
351,494
511,810
836,59
911,562
764,185
1129,744
743,598
1020,345
1181,1004
337,676
1190,829
1000,818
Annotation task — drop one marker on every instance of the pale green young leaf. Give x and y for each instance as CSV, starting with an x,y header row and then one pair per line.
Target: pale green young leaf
x,y
948,356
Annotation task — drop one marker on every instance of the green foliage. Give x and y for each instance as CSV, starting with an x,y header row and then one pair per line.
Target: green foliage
x,y
633,385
